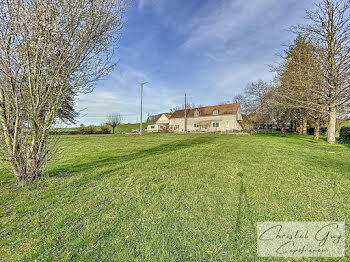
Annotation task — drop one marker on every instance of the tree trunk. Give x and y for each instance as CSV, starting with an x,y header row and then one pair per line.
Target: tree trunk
x,y
293,126
317,129
32,170
304,126
113,129
283,130
331,129
26,169
300,127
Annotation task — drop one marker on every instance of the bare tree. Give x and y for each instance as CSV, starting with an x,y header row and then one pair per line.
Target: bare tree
x,y
50,51
114,120
152,118
258,100
188,106
329,28
241,99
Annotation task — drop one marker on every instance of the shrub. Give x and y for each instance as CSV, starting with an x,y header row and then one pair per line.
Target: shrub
x,y
323,130
87,130
54,132
105,130
344,135
311,131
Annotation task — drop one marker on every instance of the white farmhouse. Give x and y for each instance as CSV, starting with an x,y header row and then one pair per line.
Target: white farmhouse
x,y
219,118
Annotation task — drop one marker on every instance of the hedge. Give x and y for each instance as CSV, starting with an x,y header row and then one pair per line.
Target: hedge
x,y
83,131
344,135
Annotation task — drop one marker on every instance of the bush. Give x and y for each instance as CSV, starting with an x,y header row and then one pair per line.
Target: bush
x,y
323,130
344,135
311,131
87,131
105,130
82,131
64,132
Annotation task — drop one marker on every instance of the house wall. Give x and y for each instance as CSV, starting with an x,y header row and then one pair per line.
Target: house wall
x,y
226,123
239,114
154,128
162,120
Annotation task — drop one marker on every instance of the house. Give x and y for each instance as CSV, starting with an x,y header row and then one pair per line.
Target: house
x,y
162,123
219,118
163,119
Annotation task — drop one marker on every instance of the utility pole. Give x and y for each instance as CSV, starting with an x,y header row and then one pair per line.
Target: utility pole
x,y
185,114
141,84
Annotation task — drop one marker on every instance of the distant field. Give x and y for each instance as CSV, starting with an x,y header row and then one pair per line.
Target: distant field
x,y
123,128
345,123
171,197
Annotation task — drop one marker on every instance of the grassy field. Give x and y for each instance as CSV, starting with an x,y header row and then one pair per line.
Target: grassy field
x,y
171,197
345,123
123,128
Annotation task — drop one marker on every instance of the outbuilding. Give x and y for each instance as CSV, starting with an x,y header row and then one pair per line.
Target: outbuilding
x,y
154,128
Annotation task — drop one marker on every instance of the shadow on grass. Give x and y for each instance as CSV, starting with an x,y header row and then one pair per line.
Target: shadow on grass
x,y
244,217
145,153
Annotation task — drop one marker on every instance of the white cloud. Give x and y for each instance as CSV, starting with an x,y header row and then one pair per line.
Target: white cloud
x,y
236,41
219,22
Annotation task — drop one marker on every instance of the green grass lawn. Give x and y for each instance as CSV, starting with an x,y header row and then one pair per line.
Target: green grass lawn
x,y
171,197
345,123
123,128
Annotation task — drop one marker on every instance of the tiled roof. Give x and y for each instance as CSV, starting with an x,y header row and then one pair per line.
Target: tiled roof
x,y
224,109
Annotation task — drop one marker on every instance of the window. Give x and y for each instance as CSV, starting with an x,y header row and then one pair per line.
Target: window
x,y
196,125
196,113
177,126
215,112
216,124
152,126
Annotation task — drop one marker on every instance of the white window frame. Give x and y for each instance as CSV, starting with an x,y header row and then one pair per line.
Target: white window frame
x,y
196,113
215,112
216,124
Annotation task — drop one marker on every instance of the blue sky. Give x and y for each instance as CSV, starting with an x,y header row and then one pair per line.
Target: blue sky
x,y
208,49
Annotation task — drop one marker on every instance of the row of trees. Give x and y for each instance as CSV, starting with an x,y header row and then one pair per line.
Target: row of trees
x,y
312,84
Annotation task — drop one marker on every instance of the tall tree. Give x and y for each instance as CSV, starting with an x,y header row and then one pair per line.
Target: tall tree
x,y
300,85
49,52
330,28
